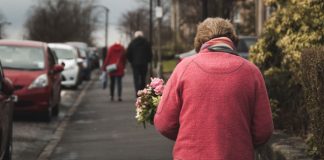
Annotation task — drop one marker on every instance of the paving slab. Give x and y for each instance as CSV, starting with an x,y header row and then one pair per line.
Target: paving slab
x,y
101,129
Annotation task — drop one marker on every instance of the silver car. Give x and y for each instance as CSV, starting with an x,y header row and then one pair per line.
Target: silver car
x,y
68,56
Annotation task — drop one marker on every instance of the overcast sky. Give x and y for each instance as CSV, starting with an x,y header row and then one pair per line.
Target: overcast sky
x,y
16,11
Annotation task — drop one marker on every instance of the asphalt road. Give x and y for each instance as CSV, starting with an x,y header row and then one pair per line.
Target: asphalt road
x,y
31,134
95,129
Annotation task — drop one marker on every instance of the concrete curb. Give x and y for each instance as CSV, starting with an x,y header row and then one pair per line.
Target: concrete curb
x,y
57,136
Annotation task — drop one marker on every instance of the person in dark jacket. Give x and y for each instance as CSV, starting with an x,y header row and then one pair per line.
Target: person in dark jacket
x,y
116,56
139,54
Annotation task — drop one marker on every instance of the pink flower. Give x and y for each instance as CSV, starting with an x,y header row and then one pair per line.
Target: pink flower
x,y
145,91
156,82
138,102
159,89
140,93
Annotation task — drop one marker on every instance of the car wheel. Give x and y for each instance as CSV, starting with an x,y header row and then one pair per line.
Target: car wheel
x,y
47,115
79,80
56,110
8,151
75,87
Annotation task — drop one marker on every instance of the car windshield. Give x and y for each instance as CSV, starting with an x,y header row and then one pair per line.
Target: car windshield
x,y
245,43
22,58
64,53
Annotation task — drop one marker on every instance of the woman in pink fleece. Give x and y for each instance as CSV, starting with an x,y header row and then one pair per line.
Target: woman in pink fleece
x,y
215,105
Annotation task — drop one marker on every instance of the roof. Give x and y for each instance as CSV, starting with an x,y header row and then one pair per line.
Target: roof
x,y
61,46
27,43
78,44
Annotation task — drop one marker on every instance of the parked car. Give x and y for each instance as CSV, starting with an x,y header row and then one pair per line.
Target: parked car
x,y
94,58
243,46
83,52
181,56
6,110
32,67
68,56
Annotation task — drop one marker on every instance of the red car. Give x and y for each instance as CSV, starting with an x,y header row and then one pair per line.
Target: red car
x,y
33,69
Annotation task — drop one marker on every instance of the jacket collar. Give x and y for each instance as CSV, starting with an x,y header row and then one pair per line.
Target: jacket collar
x,y
218,42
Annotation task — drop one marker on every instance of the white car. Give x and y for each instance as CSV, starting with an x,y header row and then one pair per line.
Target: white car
x,y
68,55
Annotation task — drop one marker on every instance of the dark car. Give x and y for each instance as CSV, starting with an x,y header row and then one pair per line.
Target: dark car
x,y
94,58
36,75
243,46
6,111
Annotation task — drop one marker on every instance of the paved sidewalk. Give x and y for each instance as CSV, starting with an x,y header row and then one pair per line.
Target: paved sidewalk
x,y
105,130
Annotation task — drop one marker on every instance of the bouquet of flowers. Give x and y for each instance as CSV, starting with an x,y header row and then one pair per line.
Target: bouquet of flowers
x,y
148,100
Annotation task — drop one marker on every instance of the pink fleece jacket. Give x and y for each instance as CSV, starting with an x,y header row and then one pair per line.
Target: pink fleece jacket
x,y
215,106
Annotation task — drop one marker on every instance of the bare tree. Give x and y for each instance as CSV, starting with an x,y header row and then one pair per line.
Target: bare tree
x,y
61,20
138,19
190,13
135,20
221,8
3,22
247,26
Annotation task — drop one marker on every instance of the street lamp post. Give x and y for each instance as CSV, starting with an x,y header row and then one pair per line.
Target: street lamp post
x,y
151,23
106,21
204,9
159,14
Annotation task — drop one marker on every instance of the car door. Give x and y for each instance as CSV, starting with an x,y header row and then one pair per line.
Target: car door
x,y
54,77
6,105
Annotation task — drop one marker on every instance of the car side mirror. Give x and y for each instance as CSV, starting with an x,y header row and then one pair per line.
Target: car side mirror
x,y
79,60
7,87
58,68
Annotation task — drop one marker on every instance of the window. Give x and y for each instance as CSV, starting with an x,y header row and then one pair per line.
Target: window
x,y
64,53
22,58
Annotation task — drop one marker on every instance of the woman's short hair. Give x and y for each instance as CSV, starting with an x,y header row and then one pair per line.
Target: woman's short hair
x,y
214,28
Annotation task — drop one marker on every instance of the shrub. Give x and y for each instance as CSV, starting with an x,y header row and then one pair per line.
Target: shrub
x,y
295,25
312,66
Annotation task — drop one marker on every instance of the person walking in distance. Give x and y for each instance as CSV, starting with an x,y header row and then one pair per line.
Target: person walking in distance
x,y
116,56
139,54
215,104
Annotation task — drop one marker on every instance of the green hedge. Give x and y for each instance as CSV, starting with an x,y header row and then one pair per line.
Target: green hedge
x,y
312,66
294,26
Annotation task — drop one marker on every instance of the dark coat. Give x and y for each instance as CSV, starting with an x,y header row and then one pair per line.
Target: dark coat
x,y
116,54
139,52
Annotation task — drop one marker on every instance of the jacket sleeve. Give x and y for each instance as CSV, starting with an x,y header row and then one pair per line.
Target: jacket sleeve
x,y
123,58
105,63
129,54
150,53
166,119
262,125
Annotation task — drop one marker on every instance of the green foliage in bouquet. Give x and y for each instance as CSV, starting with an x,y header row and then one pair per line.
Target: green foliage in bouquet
x,y
295,25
